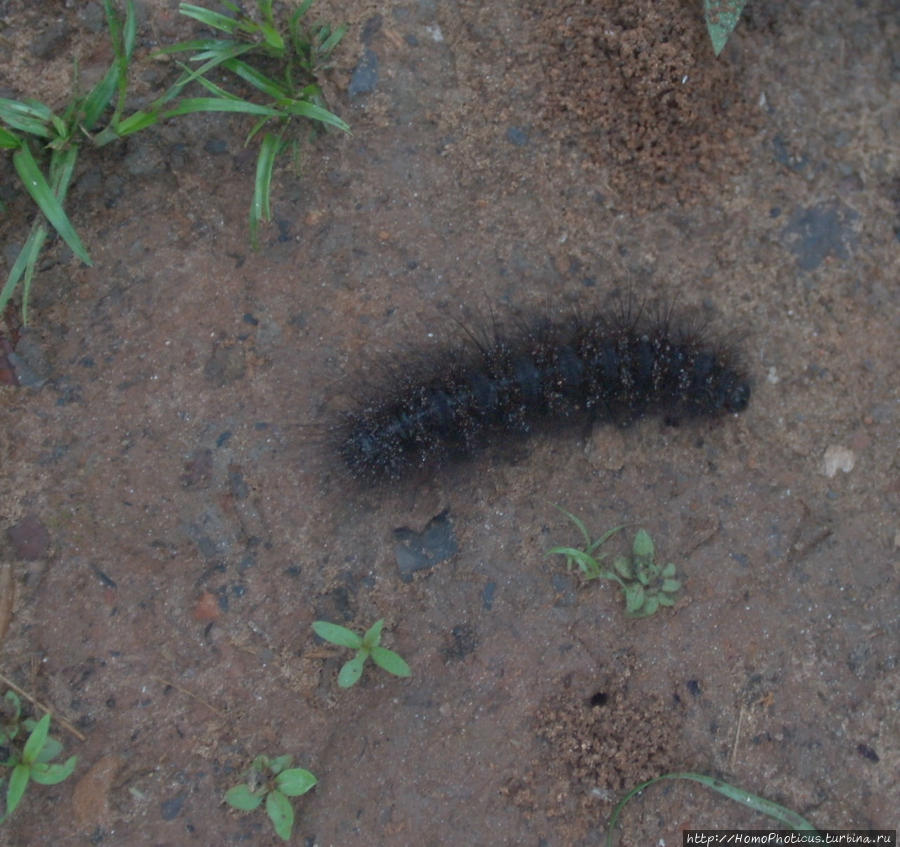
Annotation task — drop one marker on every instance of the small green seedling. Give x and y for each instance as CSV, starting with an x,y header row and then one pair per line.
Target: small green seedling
x,y
365,646
752,801
273,780
32,761
646,585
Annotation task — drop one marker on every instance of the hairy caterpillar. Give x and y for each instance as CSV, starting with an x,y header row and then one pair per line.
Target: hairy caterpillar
x,y
541,375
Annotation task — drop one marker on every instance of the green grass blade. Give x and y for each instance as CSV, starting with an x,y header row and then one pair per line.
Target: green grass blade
x,y
24,265
745,798
26,117
332,41
215,20
260,207
258,80
8,140
190,105
129,34
99,98
40,191
314,113
577,521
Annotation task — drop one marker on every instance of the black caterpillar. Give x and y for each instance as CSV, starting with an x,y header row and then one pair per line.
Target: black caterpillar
x,y
585,369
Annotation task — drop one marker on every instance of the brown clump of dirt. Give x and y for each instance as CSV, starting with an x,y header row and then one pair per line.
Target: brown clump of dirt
x,y
601,737
635,84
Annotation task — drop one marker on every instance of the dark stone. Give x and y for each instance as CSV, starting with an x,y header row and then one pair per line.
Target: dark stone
x,y
487,595
463,641
198,469
51,41
29,538
216,146
867,752
171,808
416,551
518,136
225,365
365,75
819,232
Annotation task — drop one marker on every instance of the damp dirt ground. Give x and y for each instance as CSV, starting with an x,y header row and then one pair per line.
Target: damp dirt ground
x,y
172,517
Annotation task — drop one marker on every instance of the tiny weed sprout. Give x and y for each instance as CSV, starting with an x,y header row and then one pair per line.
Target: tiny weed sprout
x,y
272,780
366,646
646,585
759,804
29,762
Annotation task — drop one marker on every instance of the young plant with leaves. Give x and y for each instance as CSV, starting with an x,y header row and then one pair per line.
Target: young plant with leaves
x,y
366,646
272,780
646,585
32,762
281,63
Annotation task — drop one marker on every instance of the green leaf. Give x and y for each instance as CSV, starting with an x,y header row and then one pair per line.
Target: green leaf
x,y
241,797
665,600
352,670
257,79
18,782
210,18
581,527
279,763
390,661
745,798
634,597
669,570
281,813
46,774
99,98
722,17
52,748
372,638
8,141
37,187
315,113
191,105
332,41
670,586
27,116
36,740
15,704
24,265
651,604
337,634
643,545
260,207
294,782
623,567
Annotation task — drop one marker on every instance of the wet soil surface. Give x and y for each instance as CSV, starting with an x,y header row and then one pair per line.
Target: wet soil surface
x,y
174,518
